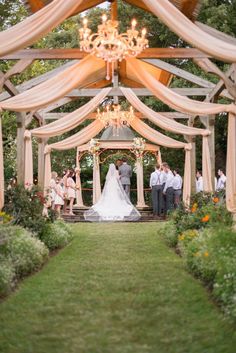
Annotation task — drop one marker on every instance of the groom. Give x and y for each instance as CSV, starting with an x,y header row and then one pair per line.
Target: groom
x,y
125,172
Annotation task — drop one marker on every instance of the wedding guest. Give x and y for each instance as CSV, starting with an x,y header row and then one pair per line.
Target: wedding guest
x,y
164,177
59,198
221,181
52,189
156,186
64,186
199,181
168,189
71,190
177,186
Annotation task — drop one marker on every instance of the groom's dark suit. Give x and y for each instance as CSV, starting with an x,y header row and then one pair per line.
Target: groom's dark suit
x,y
125,172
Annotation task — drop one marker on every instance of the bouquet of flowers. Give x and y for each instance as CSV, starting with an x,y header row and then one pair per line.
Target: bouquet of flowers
x,y
94,146
138,146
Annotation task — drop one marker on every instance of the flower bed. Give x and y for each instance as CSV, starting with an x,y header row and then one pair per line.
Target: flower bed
x,y
203,236
26,237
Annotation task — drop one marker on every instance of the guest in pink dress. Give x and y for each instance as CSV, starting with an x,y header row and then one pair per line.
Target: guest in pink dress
x,y
71,190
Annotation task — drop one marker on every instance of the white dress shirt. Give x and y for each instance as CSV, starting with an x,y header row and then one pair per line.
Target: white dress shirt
x,y
221,182
199,184
177,182
169,180
156,178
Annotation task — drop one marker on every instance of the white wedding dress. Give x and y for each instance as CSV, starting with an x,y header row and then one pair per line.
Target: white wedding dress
x,y
114,204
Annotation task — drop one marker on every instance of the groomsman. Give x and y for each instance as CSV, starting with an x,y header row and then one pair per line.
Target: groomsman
x,y
156,181
177,186
199,181
168,189
221,183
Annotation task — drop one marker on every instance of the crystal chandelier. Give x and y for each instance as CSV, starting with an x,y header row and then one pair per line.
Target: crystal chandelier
x,y
111,46
115,117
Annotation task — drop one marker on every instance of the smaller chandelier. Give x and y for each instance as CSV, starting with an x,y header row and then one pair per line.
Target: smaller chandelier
x,y
111,46
115,117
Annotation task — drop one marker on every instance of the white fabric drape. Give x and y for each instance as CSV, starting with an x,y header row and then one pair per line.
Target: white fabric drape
x,y
159,119
82,73
96,179
79,198
187,178
1,168
47,171
206,165
171,98
192,34
231,165
140,191
72,120
28,175
36,26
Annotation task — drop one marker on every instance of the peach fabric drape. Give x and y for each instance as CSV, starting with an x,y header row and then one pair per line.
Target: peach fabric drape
x,y
47,170
1,169
140,191
159,119
96,179
88,70
155,136
72,120
206,165
79,198
192,34
172,99
187,178
231,165
36,26
80,137
28,161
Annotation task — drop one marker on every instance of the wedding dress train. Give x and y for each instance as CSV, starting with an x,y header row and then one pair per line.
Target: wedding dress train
x,y
114,204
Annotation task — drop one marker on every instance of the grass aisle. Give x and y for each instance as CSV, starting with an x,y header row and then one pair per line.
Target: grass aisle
x,y
118,289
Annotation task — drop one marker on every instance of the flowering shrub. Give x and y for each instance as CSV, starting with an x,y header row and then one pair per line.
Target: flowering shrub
x,y
56,235
5,218
205,240
7,275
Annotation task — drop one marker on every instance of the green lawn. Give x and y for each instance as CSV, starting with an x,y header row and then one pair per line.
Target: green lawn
x,y
116,288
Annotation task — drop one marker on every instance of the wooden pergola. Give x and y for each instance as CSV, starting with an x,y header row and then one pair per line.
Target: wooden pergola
x,y
163,71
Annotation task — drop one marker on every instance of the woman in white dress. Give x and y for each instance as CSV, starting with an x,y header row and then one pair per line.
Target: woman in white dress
x,y
71,190
59,198
113,205
52,189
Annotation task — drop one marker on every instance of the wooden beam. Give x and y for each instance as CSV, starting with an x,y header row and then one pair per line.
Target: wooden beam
x,y
74,53
180,72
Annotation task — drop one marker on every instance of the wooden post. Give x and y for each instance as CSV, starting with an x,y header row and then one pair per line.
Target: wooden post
x,y
114,10
211,140
20,118
192,140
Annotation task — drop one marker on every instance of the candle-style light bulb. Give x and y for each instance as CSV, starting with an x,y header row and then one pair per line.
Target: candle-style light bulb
x,y
133,23
144,32
85,22
104,18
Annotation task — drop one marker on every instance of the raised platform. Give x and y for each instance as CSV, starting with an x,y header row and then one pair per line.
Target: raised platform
x,y
146,215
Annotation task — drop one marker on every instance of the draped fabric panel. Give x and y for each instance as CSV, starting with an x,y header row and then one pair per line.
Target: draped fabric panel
x,y
79,198
72,120
47,170
172,99
28,161
86,71
158,119
231,165
187,178
1,169
96,179
140,192
155,136
192,34
36,26
79,138
206,165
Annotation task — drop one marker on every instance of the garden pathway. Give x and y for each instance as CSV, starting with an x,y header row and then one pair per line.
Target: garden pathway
x,y
116,288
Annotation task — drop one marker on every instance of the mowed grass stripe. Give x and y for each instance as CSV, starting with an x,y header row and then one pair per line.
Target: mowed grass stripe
x,y
116,288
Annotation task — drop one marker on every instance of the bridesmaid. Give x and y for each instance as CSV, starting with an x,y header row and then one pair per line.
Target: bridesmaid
x,y
52,189
71,190
59,199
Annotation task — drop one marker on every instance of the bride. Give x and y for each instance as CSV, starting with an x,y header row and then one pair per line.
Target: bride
x,y
114,204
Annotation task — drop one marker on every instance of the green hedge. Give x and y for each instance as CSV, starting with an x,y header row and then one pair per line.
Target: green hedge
x,y
56,235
